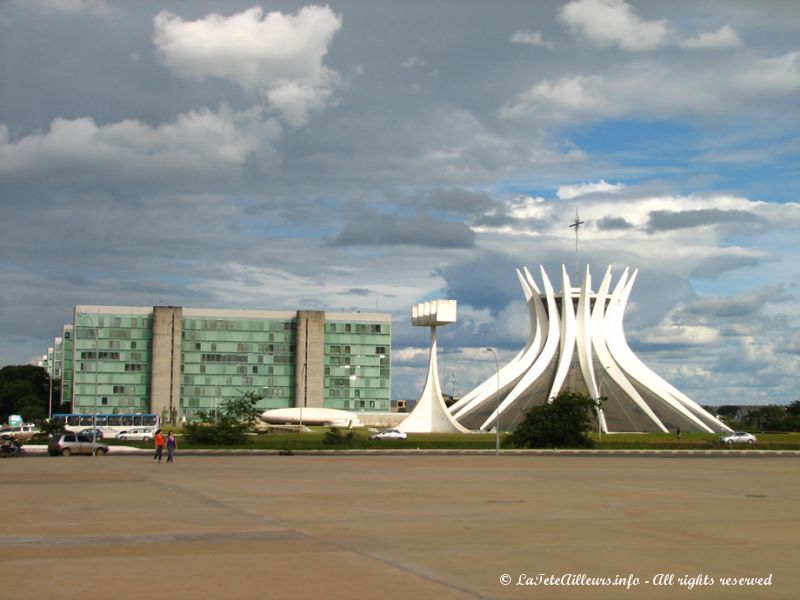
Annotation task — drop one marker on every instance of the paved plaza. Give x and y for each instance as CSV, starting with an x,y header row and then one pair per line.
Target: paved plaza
x,y
417,527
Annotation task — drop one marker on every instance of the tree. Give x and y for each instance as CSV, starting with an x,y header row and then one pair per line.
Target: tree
x,y
565,422
30,408
771,418
728,410
794,408
229,426
243,408
24,389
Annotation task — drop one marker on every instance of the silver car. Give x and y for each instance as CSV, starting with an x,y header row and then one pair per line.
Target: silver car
x,y
75,443
389,434
144,434
739,437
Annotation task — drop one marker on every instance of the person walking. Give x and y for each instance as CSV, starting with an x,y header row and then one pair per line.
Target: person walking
x,y
159,441
172,445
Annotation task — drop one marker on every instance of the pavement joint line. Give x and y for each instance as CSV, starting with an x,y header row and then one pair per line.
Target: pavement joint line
x,y
399,565
289,528
161,538
408,569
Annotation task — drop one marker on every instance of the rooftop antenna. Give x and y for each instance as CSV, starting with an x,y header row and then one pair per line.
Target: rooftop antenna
x,y
577,225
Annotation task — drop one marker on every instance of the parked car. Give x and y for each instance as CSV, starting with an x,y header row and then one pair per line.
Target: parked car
x,y
389,434
88,433
75,443
739,437
137,433
25,431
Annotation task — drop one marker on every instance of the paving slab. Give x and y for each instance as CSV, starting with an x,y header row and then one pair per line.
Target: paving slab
x,y
412,526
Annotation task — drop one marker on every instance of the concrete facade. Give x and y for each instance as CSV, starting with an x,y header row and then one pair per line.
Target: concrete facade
x,y
310,359
165,375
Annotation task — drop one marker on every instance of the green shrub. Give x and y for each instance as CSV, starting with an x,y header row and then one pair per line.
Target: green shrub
x,y
563,423
229,427
335,437
222,432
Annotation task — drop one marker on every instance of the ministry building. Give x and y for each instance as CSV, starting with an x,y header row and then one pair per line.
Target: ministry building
x,y
176,362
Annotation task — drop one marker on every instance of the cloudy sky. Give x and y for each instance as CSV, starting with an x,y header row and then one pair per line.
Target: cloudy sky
x,y
372,155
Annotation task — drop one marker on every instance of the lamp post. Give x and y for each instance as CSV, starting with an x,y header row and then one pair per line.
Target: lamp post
x,y
600,406
497,399
50,390
96,367
305,393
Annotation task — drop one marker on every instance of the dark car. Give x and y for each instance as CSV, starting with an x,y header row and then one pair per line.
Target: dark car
x,y
88,433
75,443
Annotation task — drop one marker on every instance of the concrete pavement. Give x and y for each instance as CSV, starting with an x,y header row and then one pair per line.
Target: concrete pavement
x,y
420,526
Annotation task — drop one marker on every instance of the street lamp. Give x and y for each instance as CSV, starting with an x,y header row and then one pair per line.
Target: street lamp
x,y
497,399
305,393
50,389
600,406
96,367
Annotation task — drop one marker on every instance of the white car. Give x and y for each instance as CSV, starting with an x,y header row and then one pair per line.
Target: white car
x,y
389,434
21,432
137,433
739,437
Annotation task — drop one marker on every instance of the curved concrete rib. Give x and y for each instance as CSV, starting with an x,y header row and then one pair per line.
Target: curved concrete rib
x,y
541,362
645,376
584,334
596,333
604,349
598,344
510,373
541,315
568,335
584,341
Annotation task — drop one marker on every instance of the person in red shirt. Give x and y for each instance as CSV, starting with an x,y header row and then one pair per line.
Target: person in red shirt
x,y
159,441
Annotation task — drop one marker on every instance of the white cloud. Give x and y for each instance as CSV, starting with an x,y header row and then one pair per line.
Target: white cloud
x,y
567,192
724,37
201,141
527,207
410,355
559,100
676,234
277,55
613,23
530,38
295,100
669,334
661,91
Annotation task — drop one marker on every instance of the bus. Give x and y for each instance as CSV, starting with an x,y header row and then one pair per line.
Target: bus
x,y
113,424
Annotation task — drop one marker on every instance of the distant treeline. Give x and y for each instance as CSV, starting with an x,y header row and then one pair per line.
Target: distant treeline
x,y
760,418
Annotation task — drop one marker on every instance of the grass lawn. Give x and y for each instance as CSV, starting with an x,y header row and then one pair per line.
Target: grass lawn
x,y
314,439
766,441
